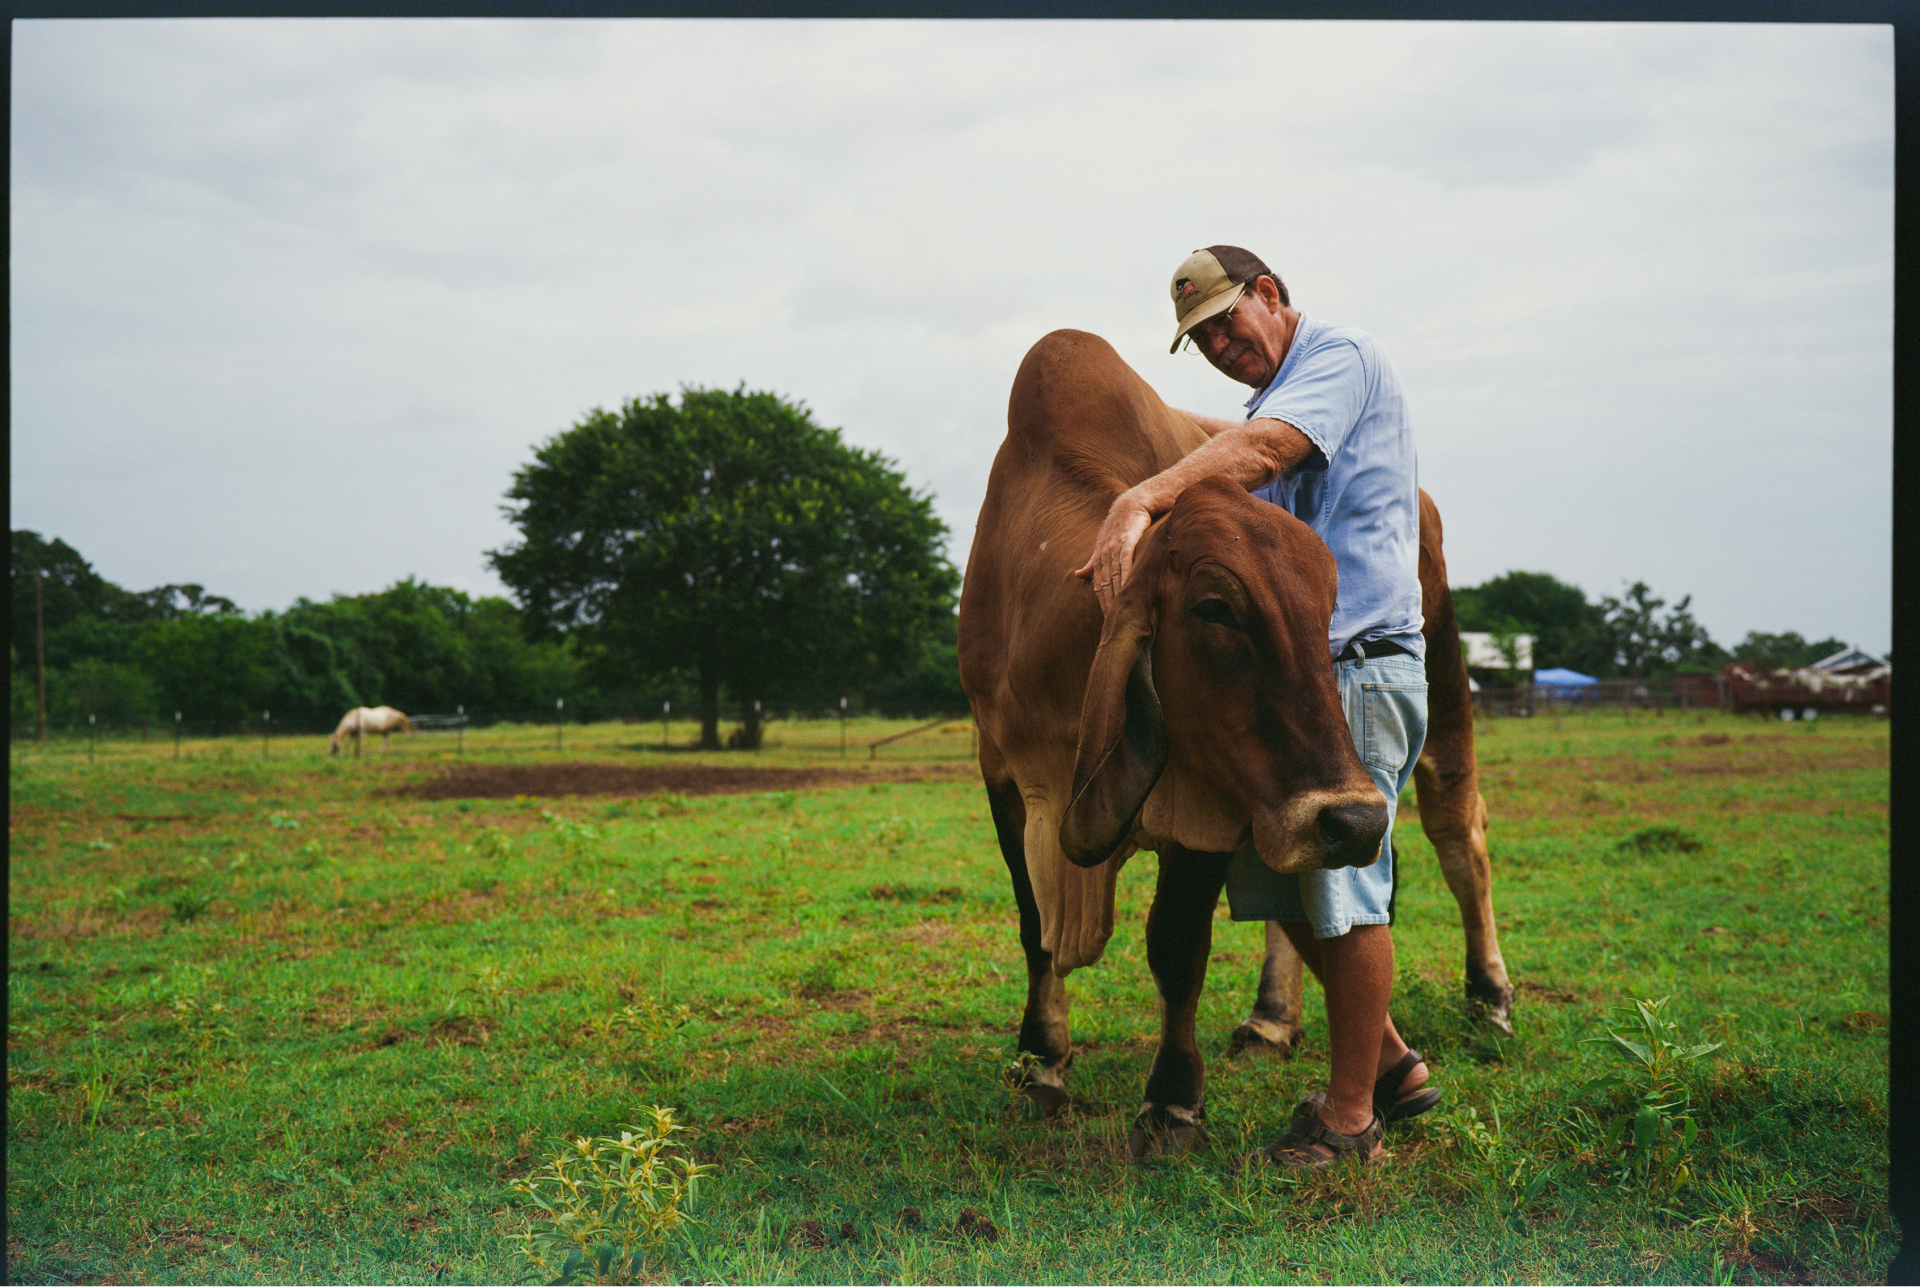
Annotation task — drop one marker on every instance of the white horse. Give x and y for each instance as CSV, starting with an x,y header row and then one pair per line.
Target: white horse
x,y
362,720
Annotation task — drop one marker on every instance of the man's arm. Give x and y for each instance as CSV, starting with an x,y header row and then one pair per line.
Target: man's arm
x,y
1252,455
1212,426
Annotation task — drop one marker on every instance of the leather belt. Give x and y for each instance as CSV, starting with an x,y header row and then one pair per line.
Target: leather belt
x,y
1358,651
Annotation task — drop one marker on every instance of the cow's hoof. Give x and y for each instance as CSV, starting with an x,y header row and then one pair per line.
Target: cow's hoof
x,y
1261,1037
1050,1100
1496,1010
1165,1130
1043,1087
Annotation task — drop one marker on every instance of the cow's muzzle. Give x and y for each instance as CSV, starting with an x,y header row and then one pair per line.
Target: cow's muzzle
x,y
1322,829
1352,833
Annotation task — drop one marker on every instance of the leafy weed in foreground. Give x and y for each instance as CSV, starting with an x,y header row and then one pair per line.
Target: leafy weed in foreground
x,y
609,1202
1654,1140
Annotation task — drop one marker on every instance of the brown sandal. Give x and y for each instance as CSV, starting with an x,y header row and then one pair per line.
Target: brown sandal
x,y
1389,1104
1294,1150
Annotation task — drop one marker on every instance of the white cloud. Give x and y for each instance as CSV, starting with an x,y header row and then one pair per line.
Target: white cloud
x,y
292,300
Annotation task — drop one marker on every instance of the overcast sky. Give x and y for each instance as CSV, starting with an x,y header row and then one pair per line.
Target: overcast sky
x,y
293,299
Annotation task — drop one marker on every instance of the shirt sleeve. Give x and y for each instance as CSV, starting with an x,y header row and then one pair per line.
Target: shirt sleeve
x,y
1323,396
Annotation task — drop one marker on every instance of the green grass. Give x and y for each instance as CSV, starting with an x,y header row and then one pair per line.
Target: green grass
x,y
298,1030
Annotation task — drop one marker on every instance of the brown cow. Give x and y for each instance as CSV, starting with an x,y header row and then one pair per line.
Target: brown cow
x,y
1200,717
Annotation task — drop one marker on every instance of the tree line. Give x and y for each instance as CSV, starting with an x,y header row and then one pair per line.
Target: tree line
x,y
1634,635
134,658
137,657
718,550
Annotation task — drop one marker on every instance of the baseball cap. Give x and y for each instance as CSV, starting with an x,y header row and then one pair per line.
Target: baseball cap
x,y
1209,283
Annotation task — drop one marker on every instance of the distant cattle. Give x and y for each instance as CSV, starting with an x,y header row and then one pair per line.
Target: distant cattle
x,y
363,720
1196,719
1803,690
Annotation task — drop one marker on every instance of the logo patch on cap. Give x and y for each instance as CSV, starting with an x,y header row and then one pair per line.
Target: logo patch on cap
x,y
1185,287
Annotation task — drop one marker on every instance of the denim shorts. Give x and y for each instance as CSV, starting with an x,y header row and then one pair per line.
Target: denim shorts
x,y
1385,700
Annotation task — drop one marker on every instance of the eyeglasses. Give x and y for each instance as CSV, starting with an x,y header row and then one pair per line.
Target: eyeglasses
x,y
1207,330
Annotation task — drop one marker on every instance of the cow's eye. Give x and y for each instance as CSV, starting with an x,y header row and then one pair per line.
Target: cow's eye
x,y
1216,611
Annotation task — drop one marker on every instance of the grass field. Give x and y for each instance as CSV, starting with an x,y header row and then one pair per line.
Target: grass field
x,y
271,1021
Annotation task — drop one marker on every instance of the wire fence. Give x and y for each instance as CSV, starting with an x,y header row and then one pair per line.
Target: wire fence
x,y
872,733
678,717
1523,700
679,727
1679,693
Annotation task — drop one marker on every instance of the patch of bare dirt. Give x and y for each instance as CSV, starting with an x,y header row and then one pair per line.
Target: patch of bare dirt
x,y
938,930
504,781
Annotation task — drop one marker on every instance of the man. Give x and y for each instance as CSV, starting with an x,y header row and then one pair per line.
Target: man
x,y
1326,438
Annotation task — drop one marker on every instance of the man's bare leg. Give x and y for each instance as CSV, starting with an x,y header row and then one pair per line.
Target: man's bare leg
x,y
1356,969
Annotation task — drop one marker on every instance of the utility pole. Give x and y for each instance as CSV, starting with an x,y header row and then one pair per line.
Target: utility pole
x,y
40,648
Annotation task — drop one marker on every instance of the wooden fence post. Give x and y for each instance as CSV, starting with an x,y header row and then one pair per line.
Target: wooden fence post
x,y
40,651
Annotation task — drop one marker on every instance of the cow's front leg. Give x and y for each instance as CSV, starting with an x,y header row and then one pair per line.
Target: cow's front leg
x,y
1274,1027
1179,936
1045,1046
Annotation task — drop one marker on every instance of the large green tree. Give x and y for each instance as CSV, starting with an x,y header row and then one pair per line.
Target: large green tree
x,y
1567,630
1648,636
728,535
1635,634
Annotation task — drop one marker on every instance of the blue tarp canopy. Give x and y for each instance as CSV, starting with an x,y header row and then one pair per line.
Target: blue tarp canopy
x,y
1563,685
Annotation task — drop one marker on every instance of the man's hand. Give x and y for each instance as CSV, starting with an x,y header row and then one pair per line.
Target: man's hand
x,y
1112,559
1252,455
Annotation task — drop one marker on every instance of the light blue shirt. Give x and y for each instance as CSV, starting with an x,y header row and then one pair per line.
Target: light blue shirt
x,y
1359,490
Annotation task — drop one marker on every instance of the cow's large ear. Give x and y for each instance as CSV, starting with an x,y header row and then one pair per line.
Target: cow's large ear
x,y
1123,740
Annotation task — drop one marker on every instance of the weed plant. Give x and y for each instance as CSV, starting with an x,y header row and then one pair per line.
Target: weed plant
x,y
608,1203
1654,1140
388,1011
